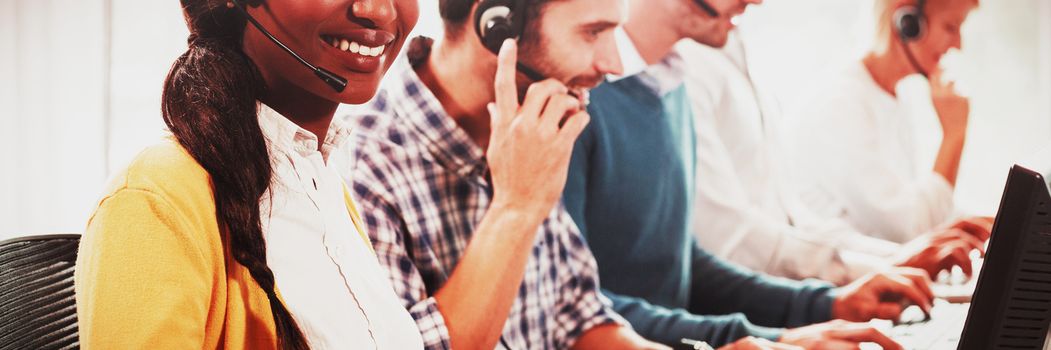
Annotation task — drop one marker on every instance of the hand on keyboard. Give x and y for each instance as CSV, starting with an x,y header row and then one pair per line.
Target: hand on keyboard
x,y
752,343
940,251
916,331
837,334
980,227
955,286
881,295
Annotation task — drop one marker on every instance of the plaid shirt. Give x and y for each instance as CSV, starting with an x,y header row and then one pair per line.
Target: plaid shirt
x,y
421,183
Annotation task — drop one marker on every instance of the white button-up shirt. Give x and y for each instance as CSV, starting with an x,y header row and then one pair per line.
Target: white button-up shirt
x,y
747,209
324,269
857,149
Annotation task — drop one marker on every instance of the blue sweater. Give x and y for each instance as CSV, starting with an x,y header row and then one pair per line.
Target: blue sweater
x,y
629,190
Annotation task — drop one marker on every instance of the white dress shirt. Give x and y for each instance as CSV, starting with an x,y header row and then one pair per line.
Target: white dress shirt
x,y
325,271
857,150
747,209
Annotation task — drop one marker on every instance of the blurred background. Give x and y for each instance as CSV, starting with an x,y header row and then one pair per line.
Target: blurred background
x,y
80,86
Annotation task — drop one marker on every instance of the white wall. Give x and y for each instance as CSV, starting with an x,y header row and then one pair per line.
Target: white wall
x,y
1045,56
52,114
8,89
147,38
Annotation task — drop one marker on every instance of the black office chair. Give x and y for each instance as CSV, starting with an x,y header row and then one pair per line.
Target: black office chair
x,y
37,307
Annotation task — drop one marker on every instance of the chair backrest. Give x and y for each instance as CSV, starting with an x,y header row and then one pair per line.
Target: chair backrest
x,y
37,306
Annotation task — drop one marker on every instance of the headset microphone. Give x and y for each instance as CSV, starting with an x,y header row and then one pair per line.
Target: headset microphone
x,y
337,82
707,7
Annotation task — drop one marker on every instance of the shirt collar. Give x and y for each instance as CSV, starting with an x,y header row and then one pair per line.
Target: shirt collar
x,y
413,101
662,77
284,136
666,75
630,58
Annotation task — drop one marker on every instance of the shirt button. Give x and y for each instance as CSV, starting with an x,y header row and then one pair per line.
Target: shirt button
x,y
337,251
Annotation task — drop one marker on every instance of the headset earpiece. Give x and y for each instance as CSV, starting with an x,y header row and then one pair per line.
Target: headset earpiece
x,y
910,22
495,21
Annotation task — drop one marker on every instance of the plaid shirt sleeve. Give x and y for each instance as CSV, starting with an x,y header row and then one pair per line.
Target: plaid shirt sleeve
x,y
389,234
582,306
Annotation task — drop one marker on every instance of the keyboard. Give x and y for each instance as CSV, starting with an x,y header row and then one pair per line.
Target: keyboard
x,y
942,331
954,286
953,291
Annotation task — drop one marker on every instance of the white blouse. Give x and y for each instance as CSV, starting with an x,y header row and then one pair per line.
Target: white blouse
x,y
325,271
857,149
747,209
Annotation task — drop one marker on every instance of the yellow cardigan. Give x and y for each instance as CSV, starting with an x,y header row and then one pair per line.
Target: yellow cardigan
x,y
151,271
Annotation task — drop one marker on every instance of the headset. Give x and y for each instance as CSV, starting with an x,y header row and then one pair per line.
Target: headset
x,y
910,22
333,80
495,21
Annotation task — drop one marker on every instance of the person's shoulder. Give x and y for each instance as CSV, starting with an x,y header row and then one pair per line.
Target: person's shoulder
x,y
379,121
379,136
614,97
709,68
163,164
168,171
384,150
162,190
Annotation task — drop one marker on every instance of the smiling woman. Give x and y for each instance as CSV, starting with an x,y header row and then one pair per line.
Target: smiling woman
x,y
192,242
118,53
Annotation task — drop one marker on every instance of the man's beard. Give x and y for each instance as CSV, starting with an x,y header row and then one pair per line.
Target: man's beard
x,y
578,85
545,66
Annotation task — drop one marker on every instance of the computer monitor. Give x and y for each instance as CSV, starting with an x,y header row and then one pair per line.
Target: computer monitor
x,y
1011,305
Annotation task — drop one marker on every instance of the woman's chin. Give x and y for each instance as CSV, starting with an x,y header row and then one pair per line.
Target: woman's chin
x,y
357,94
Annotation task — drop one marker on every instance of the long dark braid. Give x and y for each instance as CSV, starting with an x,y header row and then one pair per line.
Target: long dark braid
x,y
209,104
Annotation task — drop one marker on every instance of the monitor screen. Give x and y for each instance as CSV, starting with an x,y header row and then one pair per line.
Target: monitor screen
x,y
1011,305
